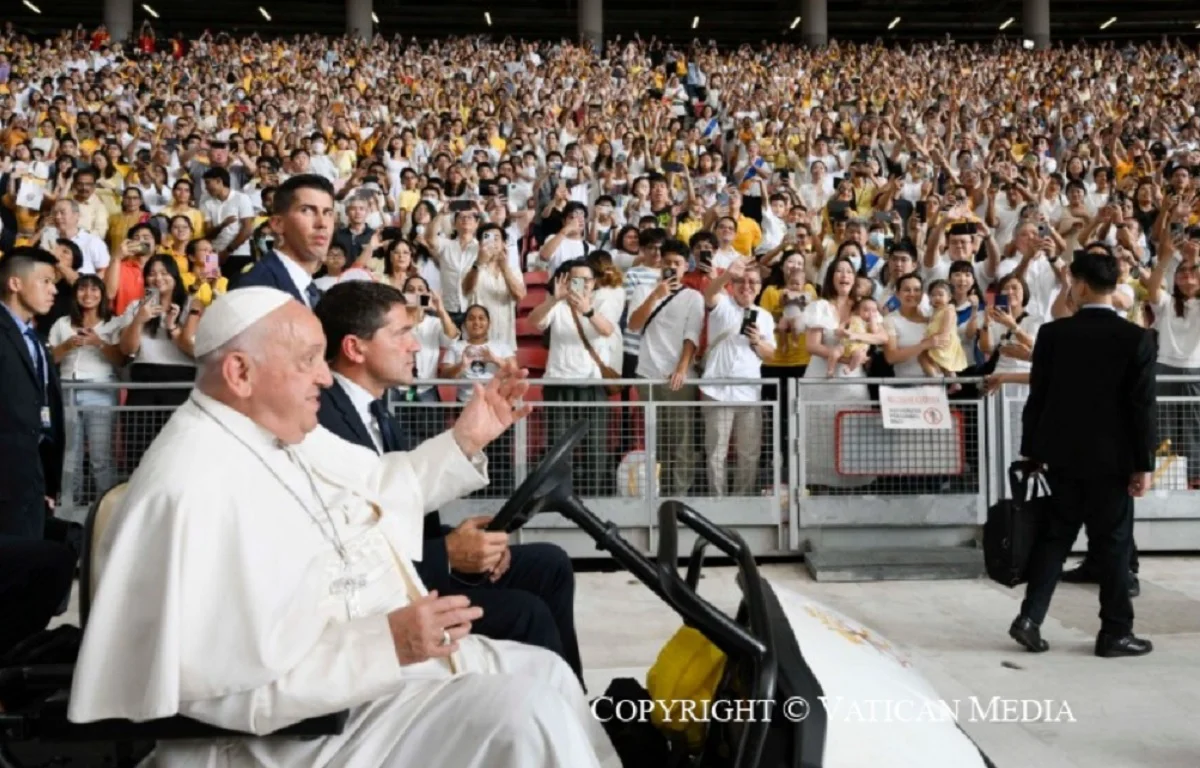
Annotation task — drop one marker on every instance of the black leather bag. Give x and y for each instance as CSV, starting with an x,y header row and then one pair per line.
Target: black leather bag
x,y
1014,524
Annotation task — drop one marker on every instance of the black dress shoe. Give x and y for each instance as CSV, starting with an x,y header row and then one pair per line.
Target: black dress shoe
x,y
1080,574
1135,586
1110,646
1025,632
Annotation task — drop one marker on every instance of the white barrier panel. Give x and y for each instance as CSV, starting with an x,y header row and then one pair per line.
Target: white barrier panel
x,y
865,447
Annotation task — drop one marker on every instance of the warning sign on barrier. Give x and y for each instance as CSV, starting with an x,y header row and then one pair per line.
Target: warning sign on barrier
x,y
915,408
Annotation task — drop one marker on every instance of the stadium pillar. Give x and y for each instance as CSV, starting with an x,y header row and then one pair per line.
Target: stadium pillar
x,y
814,23
591,24
358,19
118,18
1035,21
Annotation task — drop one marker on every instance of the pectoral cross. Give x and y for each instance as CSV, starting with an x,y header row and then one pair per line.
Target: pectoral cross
x,y
345,585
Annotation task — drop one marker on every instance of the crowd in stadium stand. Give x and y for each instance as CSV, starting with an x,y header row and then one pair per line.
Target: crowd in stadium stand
x,y
673,214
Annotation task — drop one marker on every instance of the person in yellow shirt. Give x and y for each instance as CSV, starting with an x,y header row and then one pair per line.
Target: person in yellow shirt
x,y
203,279
786,295
182,197
749,234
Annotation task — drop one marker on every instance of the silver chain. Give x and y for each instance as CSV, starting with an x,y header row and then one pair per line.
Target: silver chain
x,y
332,536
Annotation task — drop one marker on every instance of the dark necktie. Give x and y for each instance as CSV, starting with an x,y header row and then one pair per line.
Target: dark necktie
x,y
388,434
39,360
314,295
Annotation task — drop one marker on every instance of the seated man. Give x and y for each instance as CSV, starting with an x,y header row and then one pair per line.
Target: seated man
x,y
527,592
259,572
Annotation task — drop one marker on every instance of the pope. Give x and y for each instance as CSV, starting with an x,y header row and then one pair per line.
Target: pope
x,y
258,572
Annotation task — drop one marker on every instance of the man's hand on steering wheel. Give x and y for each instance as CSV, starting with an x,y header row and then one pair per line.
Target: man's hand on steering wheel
x,y
492,410
472,549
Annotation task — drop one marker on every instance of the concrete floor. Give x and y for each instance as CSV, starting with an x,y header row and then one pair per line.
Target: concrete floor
x,y
1130,713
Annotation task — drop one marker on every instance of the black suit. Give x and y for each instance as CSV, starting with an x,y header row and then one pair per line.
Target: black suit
x,y
30,457
533,602
270,273
1090,419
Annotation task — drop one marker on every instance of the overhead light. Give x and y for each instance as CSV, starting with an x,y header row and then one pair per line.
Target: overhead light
x,y
32,7
895,21
695,22
264,13
795,23
150,10
374,17
488,18
1008,23
1109,23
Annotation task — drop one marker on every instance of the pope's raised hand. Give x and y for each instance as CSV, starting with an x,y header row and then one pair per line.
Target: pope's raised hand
x,y
492,409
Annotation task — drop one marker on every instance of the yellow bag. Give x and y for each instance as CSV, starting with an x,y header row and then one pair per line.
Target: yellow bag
x,y
688,668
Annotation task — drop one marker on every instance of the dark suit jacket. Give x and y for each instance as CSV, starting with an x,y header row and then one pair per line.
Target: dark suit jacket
x,y
338,415
29,471
1091,407
270,273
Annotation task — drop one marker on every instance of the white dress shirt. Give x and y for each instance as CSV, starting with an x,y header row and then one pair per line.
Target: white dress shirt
x,y
299,275
361,399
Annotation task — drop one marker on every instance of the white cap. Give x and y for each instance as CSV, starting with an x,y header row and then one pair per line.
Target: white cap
x,y
233,313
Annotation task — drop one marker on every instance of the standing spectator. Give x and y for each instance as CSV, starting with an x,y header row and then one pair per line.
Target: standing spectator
x,y
31,410
476,358
183,204
670,321
157,332
228,222
609,299
398,264
492,283
356,234
434,330
1177,320
1009,335
577,331
740,337
93,214
132,213
124,278
65,216
454,257
568,244
303,217
1086,368
824,322
84,347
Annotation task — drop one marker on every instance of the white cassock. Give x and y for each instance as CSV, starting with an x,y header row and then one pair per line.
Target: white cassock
x,y
221,599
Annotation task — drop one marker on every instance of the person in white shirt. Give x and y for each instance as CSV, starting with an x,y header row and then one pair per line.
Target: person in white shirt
x,y
454,257
434,330
1033,262
725,229
577,343
740,337
83,345
229,222
568,243
66,227
670,321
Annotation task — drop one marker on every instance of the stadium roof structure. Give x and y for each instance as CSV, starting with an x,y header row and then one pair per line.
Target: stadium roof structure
x,y
742,21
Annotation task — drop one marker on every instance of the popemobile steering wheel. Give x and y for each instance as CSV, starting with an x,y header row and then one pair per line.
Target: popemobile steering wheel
x,y
549,483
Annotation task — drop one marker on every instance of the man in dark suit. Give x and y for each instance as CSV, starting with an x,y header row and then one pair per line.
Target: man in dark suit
x,y
527,592
303,218
31,408
1090,420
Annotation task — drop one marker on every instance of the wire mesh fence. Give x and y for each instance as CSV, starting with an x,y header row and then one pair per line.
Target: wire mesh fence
x,y
846,449
1177,457
658,443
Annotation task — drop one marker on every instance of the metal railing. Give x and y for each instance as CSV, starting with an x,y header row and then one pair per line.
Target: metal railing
x,y
812,467
851,473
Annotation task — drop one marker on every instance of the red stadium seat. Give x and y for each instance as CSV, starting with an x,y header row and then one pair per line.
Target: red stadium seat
x,y
533,297
526,329
537,278
533,357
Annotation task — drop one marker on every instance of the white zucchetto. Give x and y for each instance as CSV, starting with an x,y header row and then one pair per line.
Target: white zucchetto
x,y
233,313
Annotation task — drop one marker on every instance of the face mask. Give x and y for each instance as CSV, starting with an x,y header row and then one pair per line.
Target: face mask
x,y
875,240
